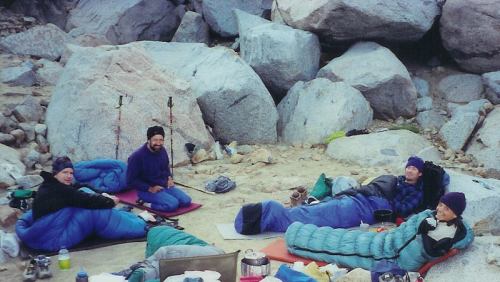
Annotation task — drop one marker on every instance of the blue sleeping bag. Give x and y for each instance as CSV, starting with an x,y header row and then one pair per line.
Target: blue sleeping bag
x,y
339,212
345,211
105,175
69,226
355,248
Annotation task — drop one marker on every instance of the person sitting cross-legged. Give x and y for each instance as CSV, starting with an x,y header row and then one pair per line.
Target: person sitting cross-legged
x,y
148,171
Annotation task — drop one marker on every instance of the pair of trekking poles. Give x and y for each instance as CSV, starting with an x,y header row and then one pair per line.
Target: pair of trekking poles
x,y
170,105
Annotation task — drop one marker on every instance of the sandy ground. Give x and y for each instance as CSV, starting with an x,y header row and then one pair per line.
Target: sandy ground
x,y
291,167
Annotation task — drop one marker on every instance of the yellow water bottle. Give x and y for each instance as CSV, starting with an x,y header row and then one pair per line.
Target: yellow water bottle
x,y
64,259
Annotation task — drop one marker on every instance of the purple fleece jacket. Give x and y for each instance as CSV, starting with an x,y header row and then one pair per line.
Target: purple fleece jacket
x,y
146,168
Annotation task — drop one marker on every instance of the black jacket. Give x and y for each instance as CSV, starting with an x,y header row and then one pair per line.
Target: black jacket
x,y
54,195
441,247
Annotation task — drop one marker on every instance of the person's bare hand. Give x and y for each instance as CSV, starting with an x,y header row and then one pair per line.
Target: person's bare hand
x,y
155,189
170,182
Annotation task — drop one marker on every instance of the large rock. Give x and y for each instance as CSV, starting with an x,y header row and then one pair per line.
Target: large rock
x,y
424,104
477,106
482,194
279,54
431,119
48,72
388,148
339,20
312,111
192,29
124,21
46,11
379,75
7,139
485,145
458,129
11,166
461,88
491,81
219,13
469,265
422,87
45,41
233,99
470,33
29,110
18,76
83,119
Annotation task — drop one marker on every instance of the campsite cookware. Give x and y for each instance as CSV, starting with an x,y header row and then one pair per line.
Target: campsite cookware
x,y
255,264
383,215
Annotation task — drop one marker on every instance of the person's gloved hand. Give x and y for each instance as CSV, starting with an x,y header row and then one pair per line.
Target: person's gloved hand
x,y
426,225
431,221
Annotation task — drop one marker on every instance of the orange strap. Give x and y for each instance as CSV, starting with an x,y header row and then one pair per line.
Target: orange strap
x,y
425,268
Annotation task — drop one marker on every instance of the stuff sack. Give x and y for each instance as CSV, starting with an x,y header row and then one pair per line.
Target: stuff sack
x,y
435,180
388,268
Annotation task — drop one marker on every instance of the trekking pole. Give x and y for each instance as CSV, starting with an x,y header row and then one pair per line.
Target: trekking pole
x,y
120,99
170,104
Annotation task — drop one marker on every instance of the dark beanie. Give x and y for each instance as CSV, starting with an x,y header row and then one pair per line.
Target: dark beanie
x,y
60,164
154,130
416,162
455,201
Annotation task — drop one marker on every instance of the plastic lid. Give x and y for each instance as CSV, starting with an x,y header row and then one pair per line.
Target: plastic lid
x,y
82,274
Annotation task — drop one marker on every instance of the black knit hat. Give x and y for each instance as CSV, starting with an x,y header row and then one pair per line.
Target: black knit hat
x,y
416,162
155,130
455,201
60,164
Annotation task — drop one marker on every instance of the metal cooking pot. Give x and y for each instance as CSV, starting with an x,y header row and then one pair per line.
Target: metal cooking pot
x,y
383,216
255,264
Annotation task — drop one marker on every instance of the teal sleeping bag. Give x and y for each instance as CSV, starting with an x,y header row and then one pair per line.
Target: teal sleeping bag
x,y
356,248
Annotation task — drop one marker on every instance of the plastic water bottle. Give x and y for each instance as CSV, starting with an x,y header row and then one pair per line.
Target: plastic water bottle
x,y
64,259
364,226
386,277
82,276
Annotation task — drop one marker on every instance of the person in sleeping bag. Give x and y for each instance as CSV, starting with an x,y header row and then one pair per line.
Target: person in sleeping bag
x,y
57,192
63,216
403,195
148,171
422,238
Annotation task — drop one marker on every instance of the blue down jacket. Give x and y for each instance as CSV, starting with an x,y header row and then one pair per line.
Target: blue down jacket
x,y
69,226
355,248
109,176
339,212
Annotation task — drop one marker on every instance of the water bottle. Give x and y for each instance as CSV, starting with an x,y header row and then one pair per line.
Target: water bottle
x,y
82,276
386,277
64,260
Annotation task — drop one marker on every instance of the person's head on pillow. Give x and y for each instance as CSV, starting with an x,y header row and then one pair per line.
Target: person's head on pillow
x,y
451,205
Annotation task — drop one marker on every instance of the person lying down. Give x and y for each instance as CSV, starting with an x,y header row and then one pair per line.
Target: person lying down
x,y
422,238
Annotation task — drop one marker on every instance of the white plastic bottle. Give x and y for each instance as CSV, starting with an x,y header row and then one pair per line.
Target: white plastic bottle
x,y
64,259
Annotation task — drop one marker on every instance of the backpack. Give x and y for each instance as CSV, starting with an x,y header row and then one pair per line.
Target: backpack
x,y
20,199
434,180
